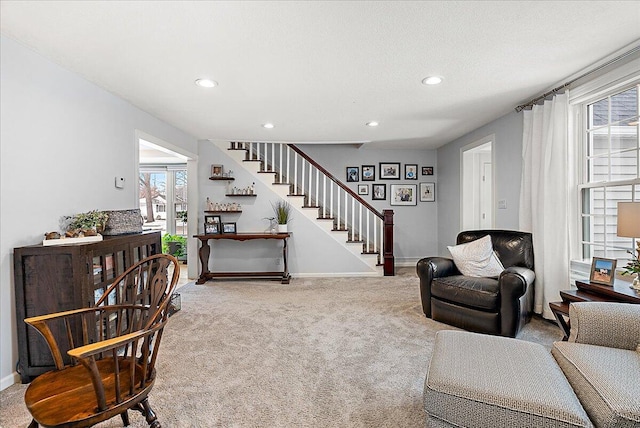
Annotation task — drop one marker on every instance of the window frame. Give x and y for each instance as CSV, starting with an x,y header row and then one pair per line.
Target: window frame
x,y
614,82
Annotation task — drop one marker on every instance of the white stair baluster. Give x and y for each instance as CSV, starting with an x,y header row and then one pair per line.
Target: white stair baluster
x,y
317,186
338,208
310,183
331,200
250,151
273,156
288,164
353,218
295,173
324,196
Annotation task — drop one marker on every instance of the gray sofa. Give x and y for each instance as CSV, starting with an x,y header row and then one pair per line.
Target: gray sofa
x,y
477,380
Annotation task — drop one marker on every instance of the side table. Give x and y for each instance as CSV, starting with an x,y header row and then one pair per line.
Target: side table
x,y
590,292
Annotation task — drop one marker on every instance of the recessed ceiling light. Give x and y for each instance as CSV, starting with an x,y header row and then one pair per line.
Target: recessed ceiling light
x,y
206,83
268,125
432,80
372,123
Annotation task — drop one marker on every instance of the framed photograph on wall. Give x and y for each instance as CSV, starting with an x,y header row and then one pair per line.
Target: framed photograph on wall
x,y
368,172
427,170
216,171
363,189
229,227
427,192
404,194
410,171
353,174
379,192
390,170
603,271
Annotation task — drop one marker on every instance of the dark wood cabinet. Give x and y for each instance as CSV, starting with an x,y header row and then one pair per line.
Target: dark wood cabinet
x,y
59,278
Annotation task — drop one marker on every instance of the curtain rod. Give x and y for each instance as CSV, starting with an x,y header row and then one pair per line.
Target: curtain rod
x,y
564,85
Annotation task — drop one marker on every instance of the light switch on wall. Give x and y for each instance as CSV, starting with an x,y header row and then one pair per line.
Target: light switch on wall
x,y
119,182
502,204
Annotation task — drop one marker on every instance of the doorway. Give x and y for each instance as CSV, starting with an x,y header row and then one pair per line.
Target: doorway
x,y
477,184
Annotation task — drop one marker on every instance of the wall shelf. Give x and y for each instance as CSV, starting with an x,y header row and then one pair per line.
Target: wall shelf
x,y
231,195
222,178
223,212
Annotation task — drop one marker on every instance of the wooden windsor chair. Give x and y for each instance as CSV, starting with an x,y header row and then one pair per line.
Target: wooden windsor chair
x,y
116,344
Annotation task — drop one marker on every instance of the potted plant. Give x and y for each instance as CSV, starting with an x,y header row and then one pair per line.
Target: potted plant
x,y
87,224
633,267
282,210
175,245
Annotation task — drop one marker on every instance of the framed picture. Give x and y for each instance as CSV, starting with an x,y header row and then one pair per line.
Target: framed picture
x,y
211,219
368,172
379,192
353,174
211,228
427,192
390,170
404,194
427,170
410,171
229,227
216,170
363,189
603,271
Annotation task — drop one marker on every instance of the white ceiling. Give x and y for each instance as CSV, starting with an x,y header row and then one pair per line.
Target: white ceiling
x,y
320,70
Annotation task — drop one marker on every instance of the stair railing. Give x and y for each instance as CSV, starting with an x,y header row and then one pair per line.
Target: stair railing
x,y
333,199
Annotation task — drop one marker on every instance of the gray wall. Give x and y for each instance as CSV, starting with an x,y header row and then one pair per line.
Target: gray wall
x,y
312,251
416,230
63,141
507,171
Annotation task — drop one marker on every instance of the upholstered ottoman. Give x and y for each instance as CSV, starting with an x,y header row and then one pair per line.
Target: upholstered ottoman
x,y
477,380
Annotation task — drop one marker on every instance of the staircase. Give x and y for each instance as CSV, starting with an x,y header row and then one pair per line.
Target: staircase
x,y
313,191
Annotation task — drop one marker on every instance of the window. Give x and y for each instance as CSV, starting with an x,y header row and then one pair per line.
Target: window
x,y
610,172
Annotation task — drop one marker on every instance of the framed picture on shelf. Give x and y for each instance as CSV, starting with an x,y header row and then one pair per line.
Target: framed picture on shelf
x,y
410,171
603,271
427,192
379,192
368,172
211,228
353,174
211,219
229,227
403,194
216,171
363,189
427,170
389,170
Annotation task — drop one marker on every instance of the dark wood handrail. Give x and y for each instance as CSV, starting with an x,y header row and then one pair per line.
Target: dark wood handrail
x,y
338,182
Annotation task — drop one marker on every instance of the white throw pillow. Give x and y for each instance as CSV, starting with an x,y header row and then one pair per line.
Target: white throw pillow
x,y
476,258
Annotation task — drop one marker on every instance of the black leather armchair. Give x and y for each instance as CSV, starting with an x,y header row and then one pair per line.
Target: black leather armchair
x,y
501,305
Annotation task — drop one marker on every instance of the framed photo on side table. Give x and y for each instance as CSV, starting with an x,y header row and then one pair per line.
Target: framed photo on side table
x,y
403,194
211,228
229,227
427,192
603,271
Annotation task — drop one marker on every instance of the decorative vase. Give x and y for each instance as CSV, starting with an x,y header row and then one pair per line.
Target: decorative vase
x,y
282,228
636,282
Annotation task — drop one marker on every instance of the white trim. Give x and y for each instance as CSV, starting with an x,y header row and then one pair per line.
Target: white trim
x,y
336,275
407,261
488,139
9,380
606,84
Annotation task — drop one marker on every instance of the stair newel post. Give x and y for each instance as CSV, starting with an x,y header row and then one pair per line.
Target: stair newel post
x,y
389,263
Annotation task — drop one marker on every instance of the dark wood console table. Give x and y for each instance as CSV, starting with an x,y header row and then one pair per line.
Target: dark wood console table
x,y
590,292
205,251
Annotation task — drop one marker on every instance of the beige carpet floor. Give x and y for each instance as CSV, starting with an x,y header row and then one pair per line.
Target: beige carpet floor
x,y
339,352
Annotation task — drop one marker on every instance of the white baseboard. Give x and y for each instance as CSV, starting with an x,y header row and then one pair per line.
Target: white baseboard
x,y
407,261
7,381
336,275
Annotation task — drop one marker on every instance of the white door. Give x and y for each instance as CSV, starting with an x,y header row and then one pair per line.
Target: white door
x,y
486,197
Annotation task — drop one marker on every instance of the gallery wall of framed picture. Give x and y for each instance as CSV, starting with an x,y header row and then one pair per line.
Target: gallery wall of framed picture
x,y
399,193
